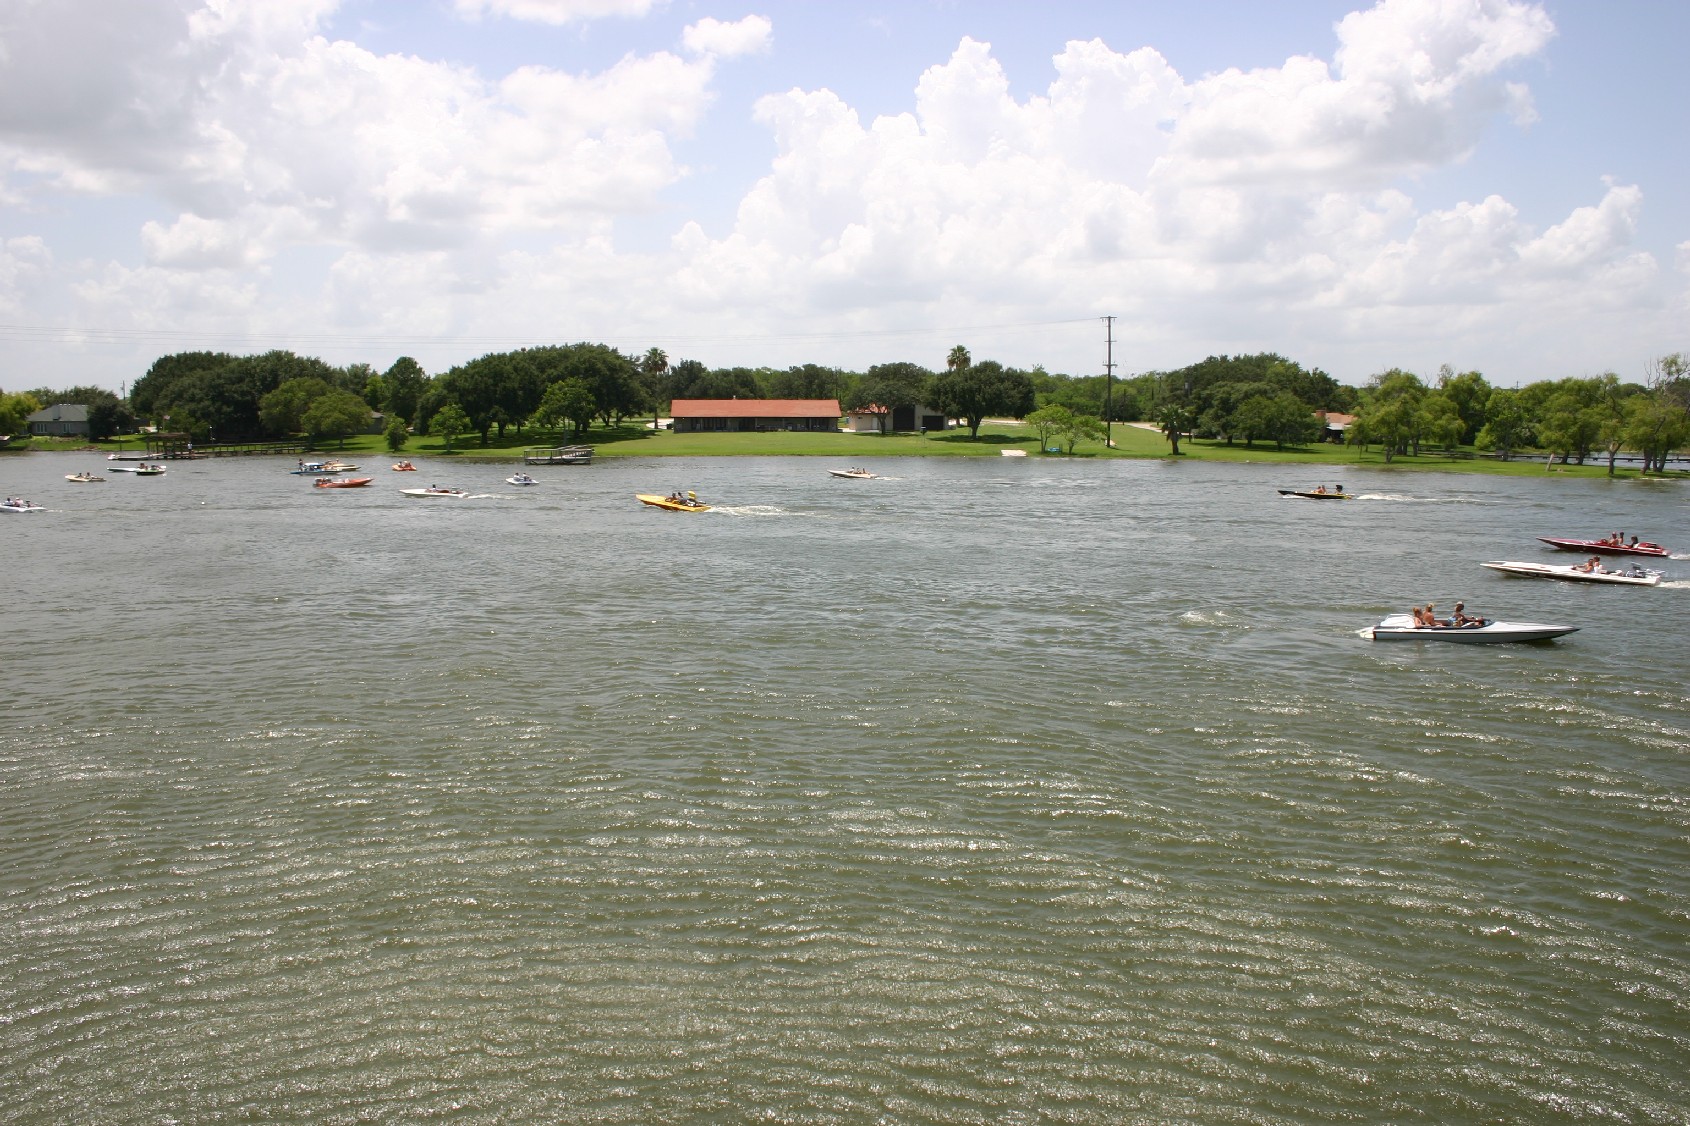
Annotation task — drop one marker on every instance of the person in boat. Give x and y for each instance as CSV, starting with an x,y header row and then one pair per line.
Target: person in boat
x,y
1460,619
1589,566
1320,488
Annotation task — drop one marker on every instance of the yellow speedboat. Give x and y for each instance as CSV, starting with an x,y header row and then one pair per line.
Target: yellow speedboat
x,y
673,502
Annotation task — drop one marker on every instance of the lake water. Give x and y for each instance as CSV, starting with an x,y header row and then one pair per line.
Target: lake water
x,y
995,790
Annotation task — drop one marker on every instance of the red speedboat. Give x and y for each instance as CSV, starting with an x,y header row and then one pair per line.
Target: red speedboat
x,y
1602,547
341,482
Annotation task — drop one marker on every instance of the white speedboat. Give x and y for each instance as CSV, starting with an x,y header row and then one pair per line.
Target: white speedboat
x,y
317,469
141,470
1401,627
520,479
17,506
854,474
83,478
1632,575
434,491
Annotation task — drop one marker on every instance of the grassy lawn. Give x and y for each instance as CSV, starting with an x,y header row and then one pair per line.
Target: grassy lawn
x,y
1313,464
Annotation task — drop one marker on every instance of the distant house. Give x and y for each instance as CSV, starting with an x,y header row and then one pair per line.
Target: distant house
x,y
60,419
867,420
1334,427
696,415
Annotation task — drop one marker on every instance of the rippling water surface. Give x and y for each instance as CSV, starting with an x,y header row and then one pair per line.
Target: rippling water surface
x,y
991,791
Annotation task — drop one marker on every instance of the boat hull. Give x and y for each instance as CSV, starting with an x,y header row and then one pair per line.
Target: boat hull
x,y
1400,627
1573,574
1597,547
668,505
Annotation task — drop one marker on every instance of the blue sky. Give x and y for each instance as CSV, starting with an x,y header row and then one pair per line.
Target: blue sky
x,y
1492,184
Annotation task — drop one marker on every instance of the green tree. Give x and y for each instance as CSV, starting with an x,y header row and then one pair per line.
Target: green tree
x,y
1050,419
1081,428
654,365
568,400
1470,395
1174,421
1439,420
396,434
335,415
448,422
402,387
282,410
15,410
959,359
977,390
891,386
1505,423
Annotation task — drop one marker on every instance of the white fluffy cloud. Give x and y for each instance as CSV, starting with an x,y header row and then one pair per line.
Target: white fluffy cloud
x,y
1235,211
713,37
553,11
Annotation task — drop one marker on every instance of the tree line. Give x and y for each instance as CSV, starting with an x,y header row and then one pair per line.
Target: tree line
x,y
1263,397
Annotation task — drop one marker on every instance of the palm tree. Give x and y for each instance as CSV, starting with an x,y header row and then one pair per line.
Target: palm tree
x,y
958,359
652,366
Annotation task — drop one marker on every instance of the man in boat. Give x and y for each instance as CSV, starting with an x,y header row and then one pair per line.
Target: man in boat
x,y
1590,566
1458,618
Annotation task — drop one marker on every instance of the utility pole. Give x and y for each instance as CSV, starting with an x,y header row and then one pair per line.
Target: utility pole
x,y
1108,382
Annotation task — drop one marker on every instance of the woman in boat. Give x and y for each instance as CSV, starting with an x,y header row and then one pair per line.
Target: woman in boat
x,y
1589,566
1458,618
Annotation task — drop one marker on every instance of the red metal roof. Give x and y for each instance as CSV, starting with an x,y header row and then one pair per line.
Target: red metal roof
x,y
755,408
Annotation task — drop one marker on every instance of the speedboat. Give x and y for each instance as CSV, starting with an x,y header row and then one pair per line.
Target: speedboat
x,y
82,478
854,474
1401,627
403,467
338,466
341,482
1603,547
1321,493
520,479
435,491
16,506
314,469
141,470
1633,575
688,503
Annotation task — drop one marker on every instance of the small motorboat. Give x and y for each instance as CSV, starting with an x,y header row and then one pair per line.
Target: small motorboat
x,y
141,470
341,482
1634,575
338,466
520,479
673,502
1402,627
314,469
1604,547
435,491
1319,492
83,478
403,467
854,474
17,506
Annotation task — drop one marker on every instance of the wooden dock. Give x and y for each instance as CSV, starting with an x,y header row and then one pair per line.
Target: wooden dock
x,y
558,455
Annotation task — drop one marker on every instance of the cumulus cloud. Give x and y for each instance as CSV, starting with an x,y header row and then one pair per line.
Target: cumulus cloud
x,y
1232,211
748,36
260,130
553,11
